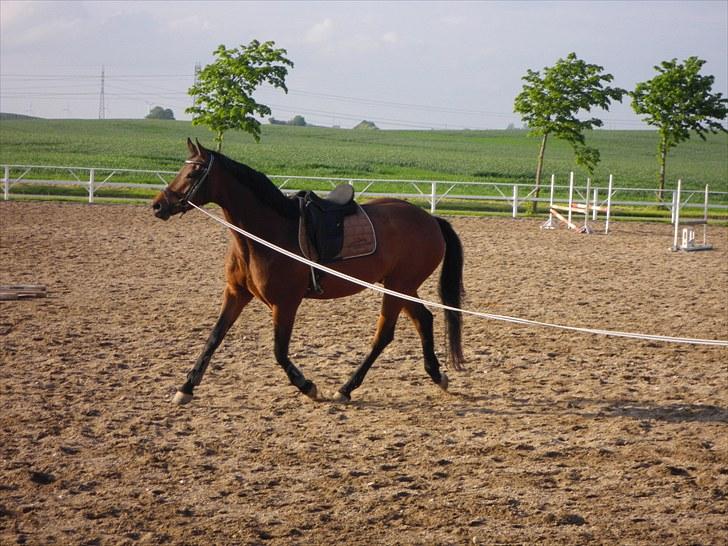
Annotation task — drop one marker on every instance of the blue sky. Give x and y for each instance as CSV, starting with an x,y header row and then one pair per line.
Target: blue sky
x,y
400,64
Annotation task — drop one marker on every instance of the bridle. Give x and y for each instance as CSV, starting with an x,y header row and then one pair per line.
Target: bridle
x,y
195,187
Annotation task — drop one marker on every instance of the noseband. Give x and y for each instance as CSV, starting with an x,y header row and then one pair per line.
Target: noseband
x,y
195,187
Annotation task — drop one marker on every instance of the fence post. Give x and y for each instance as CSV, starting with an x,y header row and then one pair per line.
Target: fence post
x,y
676,216
433,197
571,194
6,182
609,205
92,174
705,217
586,204
515,200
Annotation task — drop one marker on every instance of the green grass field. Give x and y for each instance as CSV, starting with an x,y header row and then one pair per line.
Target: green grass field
x,y
481,156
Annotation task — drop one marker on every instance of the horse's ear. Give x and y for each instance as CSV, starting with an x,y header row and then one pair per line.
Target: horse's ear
x,y
191,147
202,152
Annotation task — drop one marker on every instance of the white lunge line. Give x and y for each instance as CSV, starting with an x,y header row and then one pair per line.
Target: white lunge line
x,y
503,318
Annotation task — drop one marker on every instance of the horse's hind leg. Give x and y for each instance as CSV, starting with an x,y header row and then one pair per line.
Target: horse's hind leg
x,y
422,319
384,335
234,299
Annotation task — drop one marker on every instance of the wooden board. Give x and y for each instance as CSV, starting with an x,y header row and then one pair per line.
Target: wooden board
x,y
22,291
581,209
564,220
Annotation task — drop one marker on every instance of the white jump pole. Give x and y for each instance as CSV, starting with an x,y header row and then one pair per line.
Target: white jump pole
x,y
6,182
586,205
91,180
677,214
595,202
551,195
705,217
609,205
514,211
571,194
549,224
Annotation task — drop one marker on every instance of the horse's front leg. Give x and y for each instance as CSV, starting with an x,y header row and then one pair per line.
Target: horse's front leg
x,y
283,319
234,299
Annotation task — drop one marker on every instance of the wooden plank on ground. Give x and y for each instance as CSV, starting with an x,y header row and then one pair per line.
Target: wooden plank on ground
x,y
22,291
564,220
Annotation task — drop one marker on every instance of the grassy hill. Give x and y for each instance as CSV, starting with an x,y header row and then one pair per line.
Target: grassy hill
x,y
6,115
492,156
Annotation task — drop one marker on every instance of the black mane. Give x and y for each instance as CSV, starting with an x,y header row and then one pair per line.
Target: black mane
x,y
260,185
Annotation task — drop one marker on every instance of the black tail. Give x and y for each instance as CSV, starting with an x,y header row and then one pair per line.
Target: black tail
x,y
452,292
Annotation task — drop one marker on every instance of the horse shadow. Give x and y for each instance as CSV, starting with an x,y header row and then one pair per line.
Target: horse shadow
x,y
671,413
464,403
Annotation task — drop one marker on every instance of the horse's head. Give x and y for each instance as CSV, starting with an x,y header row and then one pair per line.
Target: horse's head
x,y
189,184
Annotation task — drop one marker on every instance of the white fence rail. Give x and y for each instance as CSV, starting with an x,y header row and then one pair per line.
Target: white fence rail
x,y
431,191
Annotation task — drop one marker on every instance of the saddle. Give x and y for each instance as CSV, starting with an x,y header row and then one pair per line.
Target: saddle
x,y
324,220
333,228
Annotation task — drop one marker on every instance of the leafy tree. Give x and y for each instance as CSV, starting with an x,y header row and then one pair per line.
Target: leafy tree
x,y
223,93
364,124
160,113
298,121
549,105
679,101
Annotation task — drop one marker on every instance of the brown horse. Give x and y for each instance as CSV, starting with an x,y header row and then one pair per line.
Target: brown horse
x,y
410,245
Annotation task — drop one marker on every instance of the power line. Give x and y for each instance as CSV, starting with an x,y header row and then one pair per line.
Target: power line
x,y
19,85
102,106
73,77
413,106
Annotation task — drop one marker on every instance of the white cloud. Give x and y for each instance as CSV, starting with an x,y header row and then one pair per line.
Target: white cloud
x,y
189,23
320,32
390,38
14,12
454,20
28,23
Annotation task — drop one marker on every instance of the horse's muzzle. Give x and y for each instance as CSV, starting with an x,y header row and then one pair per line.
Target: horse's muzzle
x,y
161,206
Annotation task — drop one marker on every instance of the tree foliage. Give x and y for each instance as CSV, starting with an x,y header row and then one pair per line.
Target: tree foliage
x,y
160,113
550,103
223,92
298,121
367,125
679,102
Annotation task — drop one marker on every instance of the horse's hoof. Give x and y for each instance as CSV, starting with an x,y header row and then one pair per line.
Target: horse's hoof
x,y
181,398
444,381
341,398
313,393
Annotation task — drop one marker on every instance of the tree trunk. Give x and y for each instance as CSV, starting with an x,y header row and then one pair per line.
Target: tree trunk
x,y
539,169
218,139
663,159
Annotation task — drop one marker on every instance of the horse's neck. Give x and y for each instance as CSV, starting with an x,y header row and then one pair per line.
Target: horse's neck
x,y
243,208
